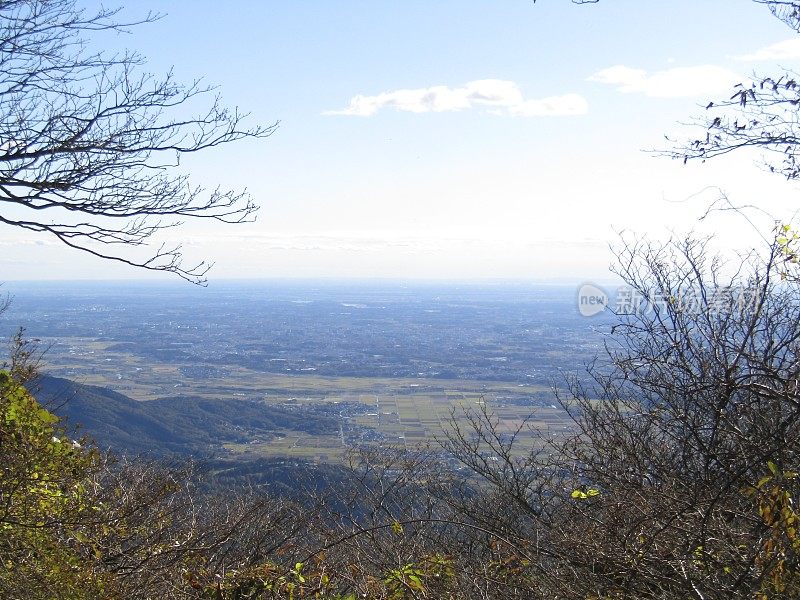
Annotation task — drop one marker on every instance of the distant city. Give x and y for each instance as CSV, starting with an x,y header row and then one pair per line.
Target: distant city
x,y
388,362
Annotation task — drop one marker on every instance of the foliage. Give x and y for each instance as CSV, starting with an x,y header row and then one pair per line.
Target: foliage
x,y
46,499
775,497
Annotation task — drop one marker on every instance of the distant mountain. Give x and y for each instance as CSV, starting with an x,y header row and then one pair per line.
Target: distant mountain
x,y
178,425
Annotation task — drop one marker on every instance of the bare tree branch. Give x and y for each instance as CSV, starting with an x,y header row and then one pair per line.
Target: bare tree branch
x,y
90,143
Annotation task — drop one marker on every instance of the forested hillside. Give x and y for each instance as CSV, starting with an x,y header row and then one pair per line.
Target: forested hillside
x,y
174,425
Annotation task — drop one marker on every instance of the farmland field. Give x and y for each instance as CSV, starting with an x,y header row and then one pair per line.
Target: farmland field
x,y
393,367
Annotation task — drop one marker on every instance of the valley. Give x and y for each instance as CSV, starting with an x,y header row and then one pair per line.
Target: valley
x,y
369,361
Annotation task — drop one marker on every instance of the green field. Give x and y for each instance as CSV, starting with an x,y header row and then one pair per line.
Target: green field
x,y
396,412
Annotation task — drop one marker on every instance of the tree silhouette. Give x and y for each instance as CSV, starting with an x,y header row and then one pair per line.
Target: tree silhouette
x,y
90,142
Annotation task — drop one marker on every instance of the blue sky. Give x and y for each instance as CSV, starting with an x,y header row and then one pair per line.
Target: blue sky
x,y
448,139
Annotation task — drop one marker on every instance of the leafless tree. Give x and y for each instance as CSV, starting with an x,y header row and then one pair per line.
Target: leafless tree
x,y
160,536
90,142
680,480
786,11
761,114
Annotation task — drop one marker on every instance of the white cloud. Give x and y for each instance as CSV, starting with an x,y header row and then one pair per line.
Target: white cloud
x,y
679,82
501,96
785,50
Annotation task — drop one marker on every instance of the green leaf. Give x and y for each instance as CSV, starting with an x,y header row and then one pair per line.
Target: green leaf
x,y
416,582
763,481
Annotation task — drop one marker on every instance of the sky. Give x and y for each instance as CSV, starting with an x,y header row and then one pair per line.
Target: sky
x,y
452,139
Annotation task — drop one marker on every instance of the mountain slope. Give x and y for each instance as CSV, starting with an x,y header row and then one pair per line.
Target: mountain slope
x,y
177,425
